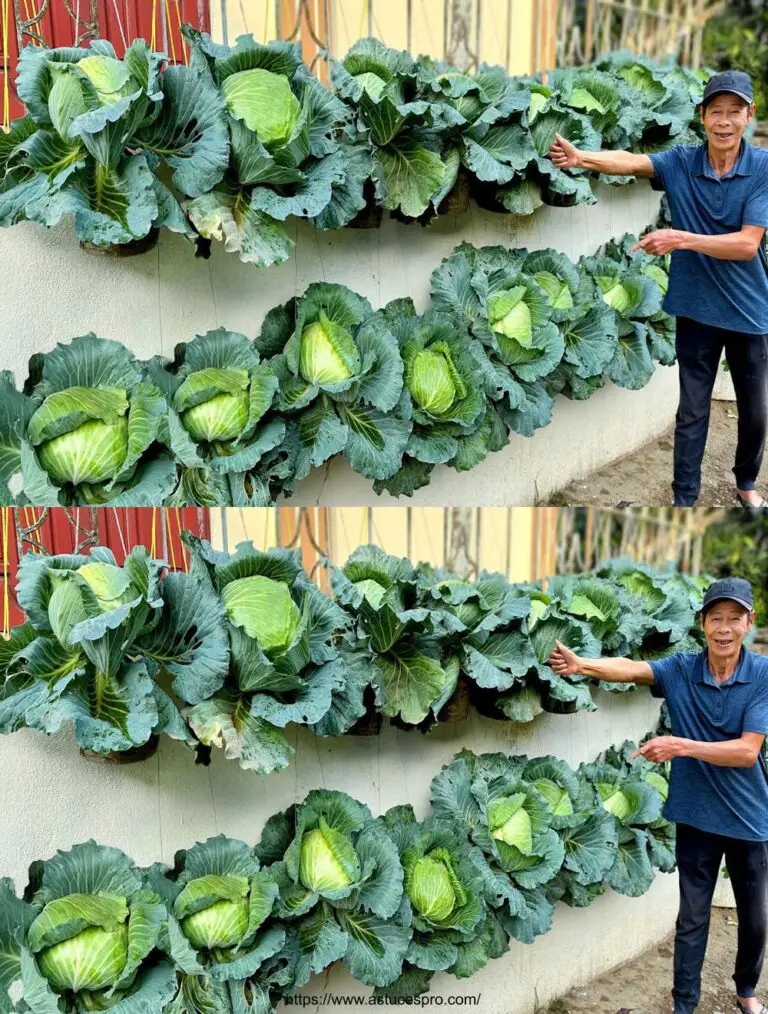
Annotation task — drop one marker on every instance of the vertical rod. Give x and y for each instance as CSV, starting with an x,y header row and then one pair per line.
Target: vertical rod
x,y
224,529
224,24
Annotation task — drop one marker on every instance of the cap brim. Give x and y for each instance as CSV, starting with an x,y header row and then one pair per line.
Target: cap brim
x,y
728,598
728,91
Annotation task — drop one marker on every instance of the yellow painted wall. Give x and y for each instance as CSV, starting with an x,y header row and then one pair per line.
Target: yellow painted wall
x,y
504,542
506,26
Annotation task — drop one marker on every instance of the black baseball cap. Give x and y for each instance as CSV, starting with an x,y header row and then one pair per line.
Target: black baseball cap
x,y
735,589
735,82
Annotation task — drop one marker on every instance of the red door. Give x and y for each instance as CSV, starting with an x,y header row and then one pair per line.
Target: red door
x,y
60,530
119,21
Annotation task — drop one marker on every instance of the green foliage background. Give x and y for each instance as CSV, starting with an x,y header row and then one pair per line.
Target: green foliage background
x,y
738,547
739,41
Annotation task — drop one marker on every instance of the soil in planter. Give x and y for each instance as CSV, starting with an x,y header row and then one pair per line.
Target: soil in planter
x,y
369,217
135,756
456,201
370,723
137,246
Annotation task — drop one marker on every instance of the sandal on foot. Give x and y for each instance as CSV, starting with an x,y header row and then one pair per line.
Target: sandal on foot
x,y
748,1010
753,510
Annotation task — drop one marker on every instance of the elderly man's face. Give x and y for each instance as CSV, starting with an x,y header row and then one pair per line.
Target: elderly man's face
x,y
725,624
725,118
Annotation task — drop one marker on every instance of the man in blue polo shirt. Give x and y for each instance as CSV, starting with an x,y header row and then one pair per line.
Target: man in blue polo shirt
x,y
718,284
718,792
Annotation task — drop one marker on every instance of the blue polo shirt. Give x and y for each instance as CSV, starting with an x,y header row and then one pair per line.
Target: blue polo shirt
x,y
726,801
726,294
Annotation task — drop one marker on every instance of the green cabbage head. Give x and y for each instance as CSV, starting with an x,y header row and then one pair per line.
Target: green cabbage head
x,y
214,910
328,861
67,605
265,103
81,941
264,609
81,434
213,403
433,887
511,823
614,800
510,315
328,354
434,381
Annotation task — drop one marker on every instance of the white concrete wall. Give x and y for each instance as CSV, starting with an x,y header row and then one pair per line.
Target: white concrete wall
x,y
52,290
51,798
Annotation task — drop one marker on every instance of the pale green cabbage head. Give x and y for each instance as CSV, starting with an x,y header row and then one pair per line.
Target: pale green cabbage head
x,y
67,607
433,887
223,911
328,354
510,315
325,859
614,800
66,100
109,76
91,452
511,823
265,103
265,611
92,959
434,381
214,403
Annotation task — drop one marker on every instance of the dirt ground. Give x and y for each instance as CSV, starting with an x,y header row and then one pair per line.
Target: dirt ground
x,y
643,986
643,478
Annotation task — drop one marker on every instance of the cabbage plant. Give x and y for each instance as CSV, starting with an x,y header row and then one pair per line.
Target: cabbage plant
x,y
448,406
92,438
635,804
341,885
111,141
220,931
219,425
97,640
410,674
285,665
509,821
403,130
95,940
486,628
443,894
341,381
287,160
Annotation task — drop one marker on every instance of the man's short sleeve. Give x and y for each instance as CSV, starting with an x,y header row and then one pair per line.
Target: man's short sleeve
x,y
664,671
664,165
756,714
756,208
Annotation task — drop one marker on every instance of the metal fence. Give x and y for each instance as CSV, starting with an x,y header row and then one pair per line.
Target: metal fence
x,y
521,542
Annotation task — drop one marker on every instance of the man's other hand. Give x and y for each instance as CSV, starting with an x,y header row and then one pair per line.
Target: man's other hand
x,y
564,155
660,749
563,661
660,242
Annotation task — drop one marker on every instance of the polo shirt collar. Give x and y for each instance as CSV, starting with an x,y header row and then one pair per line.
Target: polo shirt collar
x,y
744,163
743,674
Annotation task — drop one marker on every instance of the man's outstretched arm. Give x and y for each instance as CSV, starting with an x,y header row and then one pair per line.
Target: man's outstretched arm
x,y
731,246
565,662
565,155
730,753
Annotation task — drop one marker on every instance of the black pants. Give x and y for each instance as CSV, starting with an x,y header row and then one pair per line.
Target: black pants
x,y
699,855
699,350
